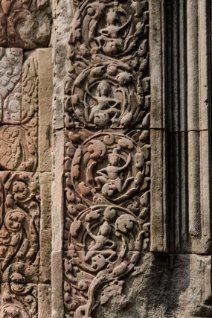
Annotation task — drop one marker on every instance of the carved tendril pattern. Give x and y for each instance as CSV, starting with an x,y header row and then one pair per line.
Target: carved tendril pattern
x,y
19,185
107,160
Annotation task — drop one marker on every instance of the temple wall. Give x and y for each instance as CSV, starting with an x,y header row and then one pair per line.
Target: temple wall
x,y
105,159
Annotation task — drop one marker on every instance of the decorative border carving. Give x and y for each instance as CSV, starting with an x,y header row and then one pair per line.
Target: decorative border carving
x,y
107,188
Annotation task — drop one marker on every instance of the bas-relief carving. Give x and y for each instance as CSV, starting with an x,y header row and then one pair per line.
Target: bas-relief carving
x,y
24,24
107,220
19,102
11,60
19,243
19,300
19,220
107,172
19,185
108,84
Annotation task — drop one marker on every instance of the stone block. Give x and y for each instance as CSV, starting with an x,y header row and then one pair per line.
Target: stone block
x,y
45,228
57,284
45,89
25,24
57,192
44,301
11,62
20,226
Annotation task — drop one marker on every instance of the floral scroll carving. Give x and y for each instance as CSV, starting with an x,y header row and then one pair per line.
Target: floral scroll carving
x,y
19,300
19,184
107,218
108,84
19,243
107,162
19,225
109,167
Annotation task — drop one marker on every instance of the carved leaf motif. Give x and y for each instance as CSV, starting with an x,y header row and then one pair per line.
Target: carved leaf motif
x,y
107,172
19,242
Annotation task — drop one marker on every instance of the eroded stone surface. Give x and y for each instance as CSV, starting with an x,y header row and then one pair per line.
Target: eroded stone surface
x,y
25,221
19,102
19,299
169,286
11,61
25,24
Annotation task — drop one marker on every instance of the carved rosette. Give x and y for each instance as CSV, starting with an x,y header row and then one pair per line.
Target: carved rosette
x,y
107,171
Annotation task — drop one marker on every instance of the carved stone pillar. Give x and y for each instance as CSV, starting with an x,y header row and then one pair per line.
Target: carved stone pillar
x,y
107,153
131,192
25,159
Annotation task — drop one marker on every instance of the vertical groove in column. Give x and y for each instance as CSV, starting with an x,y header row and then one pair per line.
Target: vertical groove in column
x,y
205,119
159,222
193,119
183,124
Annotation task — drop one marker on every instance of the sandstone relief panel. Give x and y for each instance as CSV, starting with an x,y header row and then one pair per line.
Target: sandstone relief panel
x,y
25,24
19,243
19,106
108,53
107,163
19,300
21,216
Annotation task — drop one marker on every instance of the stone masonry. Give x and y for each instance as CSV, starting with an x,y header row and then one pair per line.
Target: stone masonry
x,y
105,158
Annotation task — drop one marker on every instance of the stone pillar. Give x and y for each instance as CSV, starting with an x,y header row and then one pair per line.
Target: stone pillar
x,y
131,196
25,159
107,151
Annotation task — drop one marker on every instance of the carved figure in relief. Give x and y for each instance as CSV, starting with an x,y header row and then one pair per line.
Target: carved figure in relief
x,y
101,242
111,254
119,175
112,28
107,96
111,38
106,109
110,175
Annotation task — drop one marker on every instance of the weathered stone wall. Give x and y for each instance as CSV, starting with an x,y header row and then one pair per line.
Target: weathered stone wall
x,y
25,158
105,156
